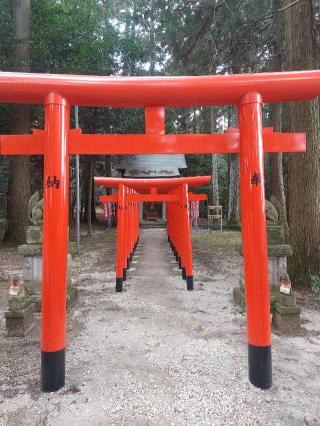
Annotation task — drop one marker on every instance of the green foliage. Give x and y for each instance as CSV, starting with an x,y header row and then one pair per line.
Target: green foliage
x,y
273,305
315,285
72,37
139,37
238,310
6,36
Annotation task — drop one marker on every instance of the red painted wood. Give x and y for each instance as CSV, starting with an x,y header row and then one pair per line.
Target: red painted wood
x,y
33,88
55,225
80,143
254,231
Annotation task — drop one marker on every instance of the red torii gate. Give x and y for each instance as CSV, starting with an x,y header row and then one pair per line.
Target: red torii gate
x,y
174,192
56,142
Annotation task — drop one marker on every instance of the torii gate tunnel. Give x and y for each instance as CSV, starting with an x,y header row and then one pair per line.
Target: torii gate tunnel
x,y
175,193
56,142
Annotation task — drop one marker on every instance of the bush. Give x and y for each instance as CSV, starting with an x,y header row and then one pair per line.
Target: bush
x,y
315,285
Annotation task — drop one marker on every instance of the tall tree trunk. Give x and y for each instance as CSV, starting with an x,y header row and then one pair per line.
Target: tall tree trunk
x,y
214,161
19,175
303,169
88,202
234,182
108,168
85,188
90,184
276,169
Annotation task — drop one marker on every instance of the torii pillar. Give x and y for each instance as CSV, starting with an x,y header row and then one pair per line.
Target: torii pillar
x,y
254,237
55,243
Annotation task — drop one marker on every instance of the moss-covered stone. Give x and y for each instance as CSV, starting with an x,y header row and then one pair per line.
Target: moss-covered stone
x,y
20,323
36,249
277,250
34,234
280,250
275,234
72,298
18,302
271,213
286,299
287,323
286,313
287,310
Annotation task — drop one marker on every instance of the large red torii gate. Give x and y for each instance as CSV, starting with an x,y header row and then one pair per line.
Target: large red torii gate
x,y
58,92
174,192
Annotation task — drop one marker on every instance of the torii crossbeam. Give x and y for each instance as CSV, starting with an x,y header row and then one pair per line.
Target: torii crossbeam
x,y
58,92
175,193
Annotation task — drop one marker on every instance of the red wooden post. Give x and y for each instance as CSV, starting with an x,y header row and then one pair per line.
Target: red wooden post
x,y
125,234
134,226
154,120
137,224
55,243
120,238
254,237
129,228
176,229
180,216
170,227
128,239
186,238
168,209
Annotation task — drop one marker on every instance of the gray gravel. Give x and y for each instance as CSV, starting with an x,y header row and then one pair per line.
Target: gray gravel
x,y
159,355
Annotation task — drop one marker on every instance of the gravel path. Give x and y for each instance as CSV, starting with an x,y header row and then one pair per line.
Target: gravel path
x,y
159,355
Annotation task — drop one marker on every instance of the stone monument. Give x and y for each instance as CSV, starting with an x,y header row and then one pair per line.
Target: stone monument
x,y
286,313
32,253
20,315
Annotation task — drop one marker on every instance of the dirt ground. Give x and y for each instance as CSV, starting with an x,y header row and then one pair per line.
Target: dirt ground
x,y
157,354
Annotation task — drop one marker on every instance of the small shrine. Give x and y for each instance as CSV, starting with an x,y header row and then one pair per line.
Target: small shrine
x,y
285,311
150,167
25,296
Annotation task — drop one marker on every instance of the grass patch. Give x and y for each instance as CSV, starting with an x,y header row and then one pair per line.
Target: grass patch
x,y
228,242
101,238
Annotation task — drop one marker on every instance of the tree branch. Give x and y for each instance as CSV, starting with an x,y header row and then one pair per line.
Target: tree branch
x,y
203,28
289,5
